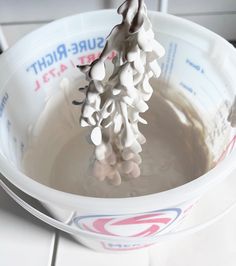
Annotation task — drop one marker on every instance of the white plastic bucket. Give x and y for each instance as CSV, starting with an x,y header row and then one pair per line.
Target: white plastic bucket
x,y
198,62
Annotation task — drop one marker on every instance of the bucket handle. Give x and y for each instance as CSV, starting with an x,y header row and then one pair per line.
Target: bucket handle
x,y
75,231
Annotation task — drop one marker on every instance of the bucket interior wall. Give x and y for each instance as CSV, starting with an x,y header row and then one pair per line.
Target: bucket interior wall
x,y
184,67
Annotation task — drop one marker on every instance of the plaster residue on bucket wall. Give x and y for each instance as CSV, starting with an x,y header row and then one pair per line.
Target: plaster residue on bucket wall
x,y
232,114
175,153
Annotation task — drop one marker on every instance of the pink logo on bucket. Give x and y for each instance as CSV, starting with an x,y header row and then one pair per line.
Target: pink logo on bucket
x,y
139,225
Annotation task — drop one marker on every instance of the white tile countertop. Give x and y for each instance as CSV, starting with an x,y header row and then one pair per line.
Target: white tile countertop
x,y
25,241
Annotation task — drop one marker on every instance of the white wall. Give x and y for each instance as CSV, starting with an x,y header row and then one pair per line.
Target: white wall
x,y
21,16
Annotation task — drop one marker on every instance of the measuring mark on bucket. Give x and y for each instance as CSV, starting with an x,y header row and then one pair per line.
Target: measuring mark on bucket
x,y
188,88
195,66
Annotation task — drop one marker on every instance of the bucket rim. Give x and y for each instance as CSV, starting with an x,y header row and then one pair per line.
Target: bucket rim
x,y
172,197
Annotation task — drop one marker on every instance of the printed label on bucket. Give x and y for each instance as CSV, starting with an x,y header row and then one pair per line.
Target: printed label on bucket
x,y
139,225
123,247
59,60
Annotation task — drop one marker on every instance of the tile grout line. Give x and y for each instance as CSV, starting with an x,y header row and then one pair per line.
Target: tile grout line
x,y
54,248
213,13
27,22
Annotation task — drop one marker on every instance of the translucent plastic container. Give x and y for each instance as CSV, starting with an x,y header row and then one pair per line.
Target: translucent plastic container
x,y
199,63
